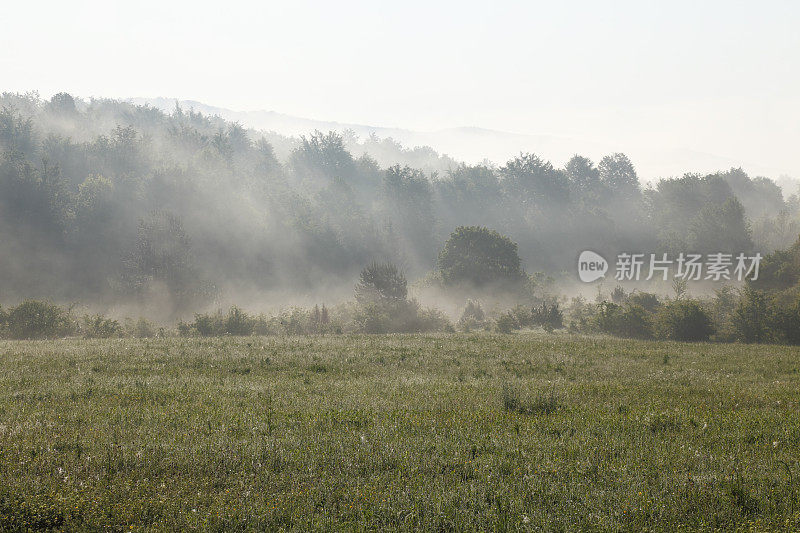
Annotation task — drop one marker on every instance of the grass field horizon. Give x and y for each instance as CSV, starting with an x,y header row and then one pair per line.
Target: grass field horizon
x,y
403,432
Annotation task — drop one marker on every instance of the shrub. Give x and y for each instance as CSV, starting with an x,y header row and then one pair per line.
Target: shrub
x,y
785,323
631,320
549,317
400,317
381,283
581,315
39,320
618,295
294,321
185,329
100,327
432,319
636,322
383,307
607,317
374,318
267,326
207,325
506,323
472,317
523,316
238,323
320,321
751,319
646,300
143,328
474,311
722,307
684,320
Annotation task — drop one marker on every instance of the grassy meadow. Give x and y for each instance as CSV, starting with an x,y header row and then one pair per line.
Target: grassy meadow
x,y
485,432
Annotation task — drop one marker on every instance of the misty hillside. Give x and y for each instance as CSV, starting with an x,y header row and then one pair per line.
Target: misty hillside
x,y
105,202
475,145
469,144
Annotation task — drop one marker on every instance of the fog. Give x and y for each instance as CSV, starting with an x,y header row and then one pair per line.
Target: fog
x,y
129,209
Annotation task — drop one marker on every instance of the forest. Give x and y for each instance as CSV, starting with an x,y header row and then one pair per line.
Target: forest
x,y
131,211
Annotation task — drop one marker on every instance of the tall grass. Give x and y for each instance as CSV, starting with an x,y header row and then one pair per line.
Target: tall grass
x,y
397,432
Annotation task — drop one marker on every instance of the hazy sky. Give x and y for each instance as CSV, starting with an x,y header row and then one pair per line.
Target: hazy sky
x,y
719,77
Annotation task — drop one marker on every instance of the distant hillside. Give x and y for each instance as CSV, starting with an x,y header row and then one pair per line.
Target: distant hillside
x,y
473,145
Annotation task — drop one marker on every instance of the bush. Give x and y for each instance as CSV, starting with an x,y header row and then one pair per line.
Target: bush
x,y
432,319
38,320
400,317
142,328
786,324
185,329
473,311
631,320
381,283
207,325
100,327
294,321
581,315
236,322
751,319
607,317
636,322
239,323
549,317
722,307
506,323
684,320
320,321
374,318
383,308
618,295
646,300
472,317
522,315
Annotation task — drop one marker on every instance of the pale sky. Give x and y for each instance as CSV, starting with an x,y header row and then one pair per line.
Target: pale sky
x,y
716,77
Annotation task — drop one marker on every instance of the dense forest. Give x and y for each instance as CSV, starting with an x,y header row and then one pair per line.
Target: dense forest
x,y
114,204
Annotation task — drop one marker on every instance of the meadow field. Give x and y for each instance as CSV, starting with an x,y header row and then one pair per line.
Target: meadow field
x,y
532,431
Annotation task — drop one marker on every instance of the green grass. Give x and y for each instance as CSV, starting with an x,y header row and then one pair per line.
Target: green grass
x,y
450,432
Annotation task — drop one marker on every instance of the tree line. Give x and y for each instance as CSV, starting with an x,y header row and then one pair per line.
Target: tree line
x,y
102,201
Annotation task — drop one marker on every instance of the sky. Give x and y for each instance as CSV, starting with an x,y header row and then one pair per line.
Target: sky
x,y
653,79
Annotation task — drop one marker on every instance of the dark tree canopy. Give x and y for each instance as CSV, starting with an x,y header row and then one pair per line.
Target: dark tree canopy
x,y
532,180
619,178
381,283
479,256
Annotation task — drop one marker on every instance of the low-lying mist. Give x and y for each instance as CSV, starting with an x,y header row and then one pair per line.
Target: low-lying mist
x,y
126,210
